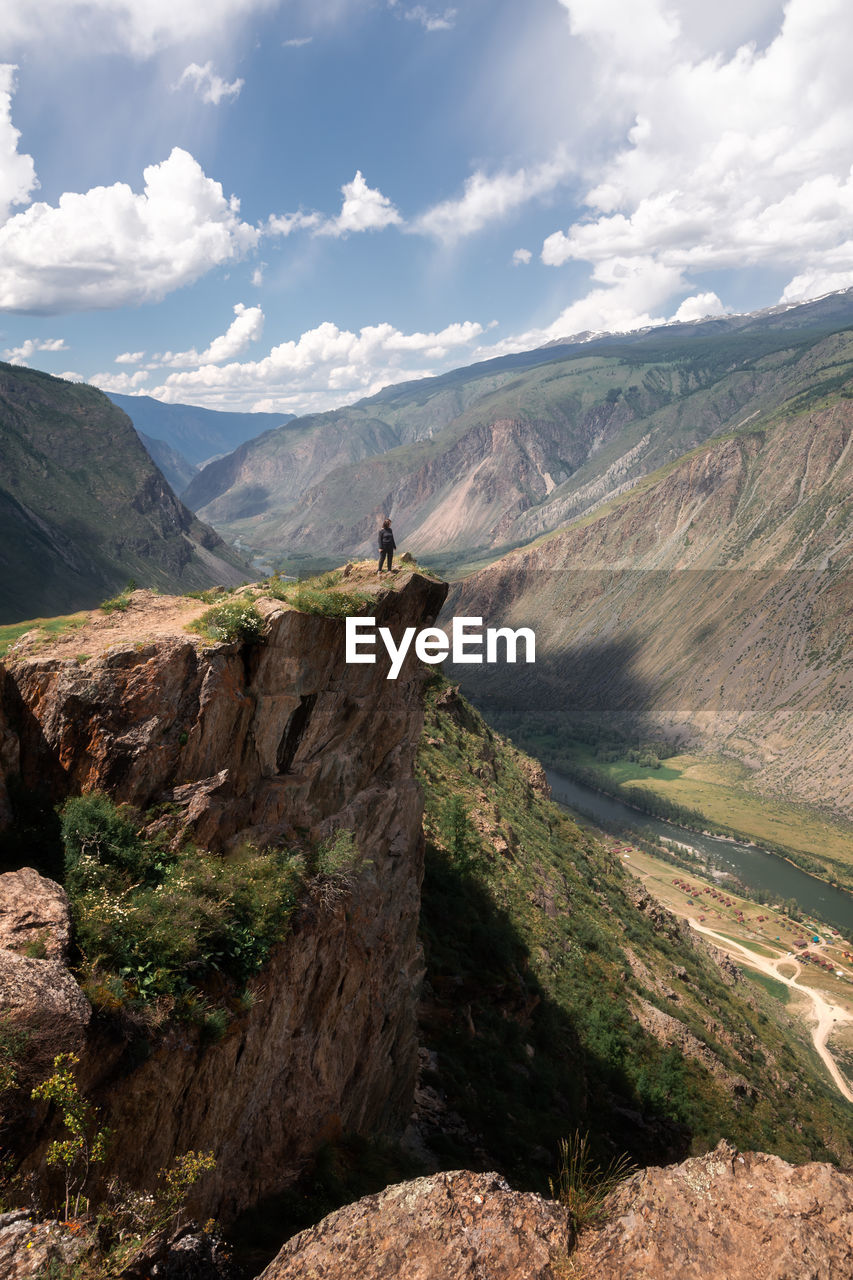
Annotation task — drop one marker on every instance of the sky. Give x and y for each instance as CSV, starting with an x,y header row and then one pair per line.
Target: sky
x,y
285,205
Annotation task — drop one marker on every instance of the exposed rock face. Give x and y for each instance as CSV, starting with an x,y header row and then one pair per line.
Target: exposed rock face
x,y
41,999
726,1215
32,1250
452,1226
251,745
710,607
34,913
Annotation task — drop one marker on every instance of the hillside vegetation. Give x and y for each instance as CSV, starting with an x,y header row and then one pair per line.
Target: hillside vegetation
x,y
82,507
560,996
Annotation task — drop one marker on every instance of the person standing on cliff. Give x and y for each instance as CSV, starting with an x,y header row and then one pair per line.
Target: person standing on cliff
x,y
387,545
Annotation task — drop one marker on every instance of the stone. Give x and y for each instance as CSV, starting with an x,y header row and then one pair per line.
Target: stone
x,y
34,915
451,1226
34,1250
728,1214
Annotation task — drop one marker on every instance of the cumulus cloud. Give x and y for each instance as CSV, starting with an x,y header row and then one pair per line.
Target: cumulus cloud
x,y
139,27
364,208
130,357
431,21
487,199
28,348
521,257
700,307
729,161
247,328
111,247
17,172
323,368
209,86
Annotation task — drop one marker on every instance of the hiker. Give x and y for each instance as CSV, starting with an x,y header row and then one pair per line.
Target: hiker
x,y
387,545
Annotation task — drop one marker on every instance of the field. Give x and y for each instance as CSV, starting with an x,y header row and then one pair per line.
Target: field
x,y
719,789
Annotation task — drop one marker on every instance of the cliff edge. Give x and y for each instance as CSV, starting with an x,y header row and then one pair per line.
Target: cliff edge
x,y
270,744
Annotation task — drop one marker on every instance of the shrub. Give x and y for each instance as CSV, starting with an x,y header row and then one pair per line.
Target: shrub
x,y
583,1185
86,1145
338,857
161,922
230,621
116,604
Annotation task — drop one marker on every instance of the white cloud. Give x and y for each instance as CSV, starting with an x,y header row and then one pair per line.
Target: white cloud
x,y
110,247
130,357
323,368
297,42
138,27
124,383
521,257
209,86
247,328
284,224
699,307
364,209
17,172
28,348
431,21
486,199
742,160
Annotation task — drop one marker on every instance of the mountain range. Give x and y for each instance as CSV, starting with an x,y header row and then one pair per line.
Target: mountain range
x,y
486,458
83,508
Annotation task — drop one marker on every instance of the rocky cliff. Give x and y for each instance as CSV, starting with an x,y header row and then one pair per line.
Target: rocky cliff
x,y
265,744
83,508
709,606
727,1215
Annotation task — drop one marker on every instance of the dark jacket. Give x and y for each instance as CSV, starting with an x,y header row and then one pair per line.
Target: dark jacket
x,y
386,540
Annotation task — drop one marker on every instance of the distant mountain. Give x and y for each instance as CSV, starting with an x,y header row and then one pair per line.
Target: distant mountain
x,y
710,606
196,434
175,467
485,458
83,508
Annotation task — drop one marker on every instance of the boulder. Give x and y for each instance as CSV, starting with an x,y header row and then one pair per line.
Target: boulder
x,y
34,915
729,1215
451,1226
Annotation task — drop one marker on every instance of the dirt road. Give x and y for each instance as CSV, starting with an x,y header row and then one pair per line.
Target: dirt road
x,y
827,1016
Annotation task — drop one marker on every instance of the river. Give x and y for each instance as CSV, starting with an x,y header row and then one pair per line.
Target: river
x,y
759,870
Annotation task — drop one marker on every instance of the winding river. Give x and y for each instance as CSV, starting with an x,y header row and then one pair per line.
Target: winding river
x,y
759,870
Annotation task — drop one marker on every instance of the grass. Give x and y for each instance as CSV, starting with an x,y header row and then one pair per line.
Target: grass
x,y
45,626
718,789
527,923
778,990
231,621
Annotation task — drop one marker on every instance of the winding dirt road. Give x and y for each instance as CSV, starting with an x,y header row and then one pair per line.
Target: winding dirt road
x,y
827,1015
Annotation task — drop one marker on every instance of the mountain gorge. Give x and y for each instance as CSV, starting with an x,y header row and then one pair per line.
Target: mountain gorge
x,y
487,458
82,507
472,979
708,607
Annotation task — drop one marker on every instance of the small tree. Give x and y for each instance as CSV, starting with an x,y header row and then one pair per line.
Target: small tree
x,y
86,1144
459,835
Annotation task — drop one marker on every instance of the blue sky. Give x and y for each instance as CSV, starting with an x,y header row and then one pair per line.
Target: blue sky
x,y
287,204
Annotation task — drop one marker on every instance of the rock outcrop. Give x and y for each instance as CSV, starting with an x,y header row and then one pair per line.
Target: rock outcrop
x,y
34,915
726,1215
452,1226
265,744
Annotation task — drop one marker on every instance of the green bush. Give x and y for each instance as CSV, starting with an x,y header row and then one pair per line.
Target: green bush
x,y
161,922
232,620
338,857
